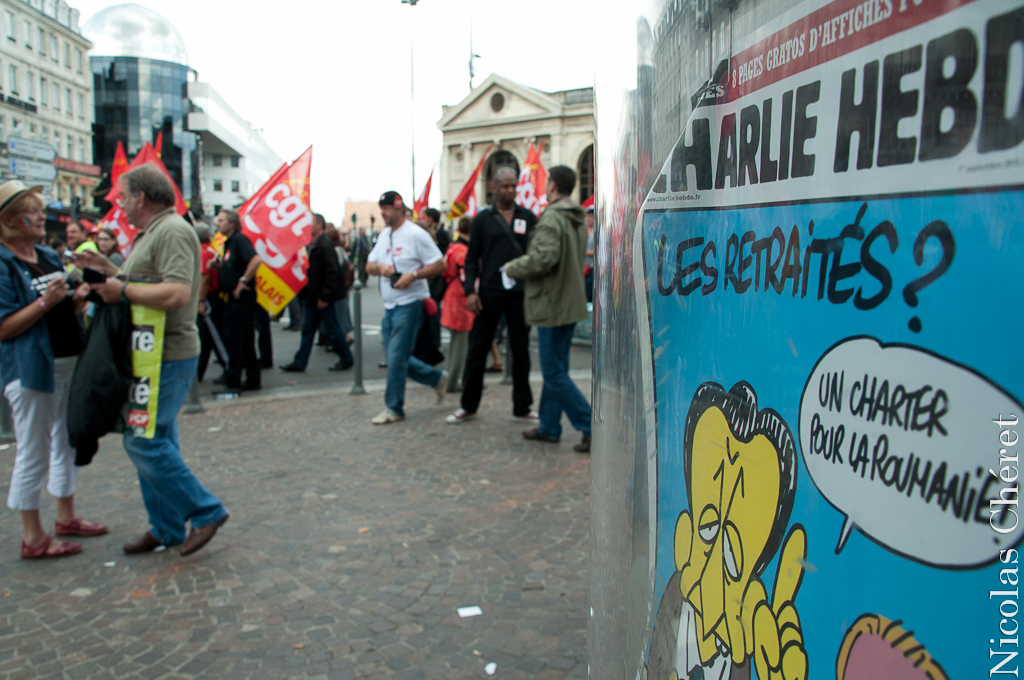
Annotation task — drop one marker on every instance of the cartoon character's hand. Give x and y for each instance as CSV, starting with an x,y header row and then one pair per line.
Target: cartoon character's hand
x,y
778,639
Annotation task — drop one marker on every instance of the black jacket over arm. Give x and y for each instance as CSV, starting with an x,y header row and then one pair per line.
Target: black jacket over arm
x,y
491,245
324,276
101,381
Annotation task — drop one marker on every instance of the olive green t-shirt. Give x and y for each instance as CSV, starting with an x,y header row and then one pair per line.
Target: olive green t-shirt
x,y
168,249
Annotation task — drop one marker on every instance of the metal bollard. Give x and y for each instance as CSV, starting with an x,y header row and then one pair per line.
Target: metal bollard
x,y
507,378
357,318
192,403
6,421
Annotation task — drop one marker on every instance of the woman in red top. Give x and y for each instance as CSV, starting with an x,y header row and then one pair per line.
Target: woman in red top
x,y
454,315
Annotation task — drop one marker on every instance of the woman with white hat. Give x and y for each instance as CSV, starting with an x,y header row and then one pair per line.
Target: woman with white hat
x,y
40,338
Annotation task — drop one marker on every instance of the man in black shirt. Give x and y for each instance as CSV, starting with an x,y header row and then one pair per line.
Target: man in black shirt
x,y
238,280
325,285
498,234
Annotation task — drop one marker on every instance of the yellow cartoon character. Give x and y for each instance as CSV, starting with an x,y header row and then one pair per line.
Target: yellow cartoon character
x,y
715,617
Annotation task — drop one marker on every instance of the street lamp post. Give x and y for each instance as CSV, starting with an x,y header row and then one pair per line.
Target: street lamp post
x,y
412,115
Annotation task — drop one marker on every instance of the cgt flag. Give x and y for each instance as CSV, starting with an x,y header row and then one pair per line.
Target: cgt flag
x,y
531,191
117,222
423,201
465,202
278,221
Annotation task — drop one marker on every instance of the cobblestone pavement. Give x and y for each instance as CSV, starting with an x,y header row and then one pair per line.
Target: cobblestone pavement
x,y
349,549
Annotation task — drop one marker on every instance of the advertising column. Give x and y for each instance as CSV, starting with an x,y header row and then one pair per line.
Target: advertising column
x,y
827,276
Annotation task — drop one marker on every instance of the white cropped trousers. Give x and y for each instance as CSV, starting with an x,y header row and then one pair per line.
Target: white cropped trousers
x,y
40,427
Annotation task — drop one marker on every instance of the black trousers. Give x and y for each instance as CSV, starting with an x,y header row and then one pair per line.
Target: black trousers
x,y
266,343
240,340
205,339
481,337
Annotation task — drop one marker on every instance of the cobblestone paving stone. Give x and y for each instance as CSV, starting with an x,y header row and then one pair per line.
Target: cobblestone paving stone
x,y
349,549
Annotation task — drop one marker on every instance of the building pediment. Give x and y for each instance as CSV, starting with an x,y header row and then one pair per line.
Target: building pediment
x,y
496,101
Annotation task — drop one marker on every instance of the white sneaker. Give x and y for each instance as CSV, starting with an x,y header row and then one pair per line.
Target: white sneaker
x,y
531,417
441,388
460,416
386,416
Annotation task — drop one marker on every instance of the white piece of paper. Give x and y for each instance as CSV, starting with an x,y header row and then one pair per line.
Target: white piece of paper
x,y
507,281
490,668
469,611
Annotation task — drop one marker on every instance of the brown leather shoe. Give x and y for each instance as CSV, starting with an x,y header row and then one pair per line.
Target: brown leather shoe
x,y
197,538
583,446
142,544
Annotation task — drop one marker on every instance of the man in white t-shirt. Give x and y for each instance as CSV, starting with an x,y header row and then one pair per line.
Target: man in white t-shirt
x,y
403,257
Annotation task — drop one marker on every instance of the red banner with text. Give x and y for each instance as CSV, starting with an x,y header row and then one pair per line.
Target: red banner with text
x,y
278,221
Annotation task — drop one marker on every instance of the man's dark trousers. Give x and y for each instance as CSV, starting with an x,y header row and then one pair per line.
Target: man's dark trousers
x,y
481,337
311,321
240,340
266,344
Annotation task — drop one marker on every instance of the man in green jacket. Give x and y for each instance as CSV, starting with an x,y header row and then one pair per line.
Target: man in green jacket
x,y
555,300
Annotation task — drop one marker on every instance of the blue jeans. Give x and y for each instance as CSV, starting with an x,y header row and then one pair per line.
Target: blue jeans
x,y
399,328
560,392
171,492
311,321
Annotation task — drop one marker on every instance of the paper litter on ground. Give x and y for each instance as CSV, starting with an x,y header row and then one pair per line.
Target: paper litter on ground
x,y
470,611
490,668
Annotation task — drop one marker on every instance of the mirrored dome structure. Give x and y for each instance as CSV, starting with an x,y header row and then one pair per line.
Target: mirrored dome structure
x,y
140,71
131,30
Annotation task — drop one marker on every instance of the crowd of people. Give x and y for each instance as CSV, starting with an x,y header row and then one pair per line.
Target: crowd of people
x,y
504,270
507,268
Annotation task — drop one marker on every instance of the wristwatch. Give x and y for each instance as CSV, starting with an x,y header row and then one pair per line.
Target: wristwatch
x,y
244,281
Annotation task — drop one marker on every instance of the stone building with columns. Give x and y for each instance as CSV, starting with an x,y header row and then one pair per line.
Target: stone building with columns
x,y
511,117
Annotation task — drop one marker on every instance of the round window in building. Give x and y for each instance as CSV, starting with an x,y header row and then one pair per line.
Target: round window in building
x,y
498,102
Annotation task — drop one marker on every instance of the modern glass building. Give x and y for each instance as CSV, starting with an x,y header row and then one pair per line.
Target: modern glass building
x,y
140,70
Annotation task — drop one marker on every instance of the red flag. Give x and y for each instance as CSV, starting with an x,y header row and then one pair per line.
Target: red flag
x,y
424,200
159,146
465,202
117,221
589,203
277,218
531,192
148,155
120,165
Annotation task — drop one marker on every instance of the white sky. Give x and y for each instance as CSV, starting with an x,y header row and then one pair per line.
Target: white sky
x,y
336,74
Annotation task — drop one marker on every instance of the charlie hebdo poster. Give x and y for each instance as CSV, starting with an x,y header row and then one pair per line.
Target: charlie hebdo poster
x,y
834,345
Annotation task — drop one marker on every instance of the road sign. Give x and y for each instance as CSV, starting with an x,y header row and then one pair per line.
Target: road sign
x,y
27,148
32,169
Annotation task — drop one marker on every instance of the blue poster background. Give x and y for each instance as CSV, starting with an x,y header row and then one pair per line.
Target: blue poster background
x,y
972,315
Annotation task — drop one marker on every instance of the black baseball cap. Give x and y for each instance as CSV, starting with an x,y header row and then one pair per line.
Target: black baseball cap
x,y
390,198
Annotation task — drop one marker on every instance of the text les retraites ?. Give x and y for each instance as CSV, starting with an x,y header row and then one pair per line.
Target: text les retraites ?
x,y
777,262
873,102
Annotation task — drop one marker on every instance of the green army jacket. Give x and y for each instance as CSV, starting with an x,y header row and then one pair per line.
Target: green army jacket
x,y
553,267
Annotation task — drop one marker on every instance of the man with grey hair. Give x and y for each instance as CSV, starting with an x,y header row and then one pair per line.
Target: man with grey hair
x,y
162,273
498,234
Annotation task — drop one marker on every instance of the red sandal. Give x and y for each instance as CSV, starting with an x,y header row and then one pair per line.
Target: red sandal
x,y
39,552
79,527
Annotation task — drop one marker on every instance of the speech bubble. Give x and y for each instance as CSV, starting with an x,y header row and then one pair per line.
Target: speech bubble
x,y
902,442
